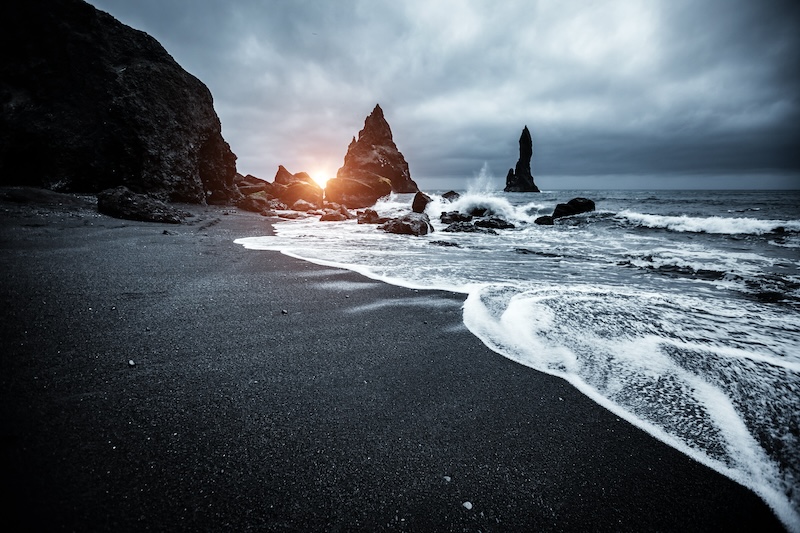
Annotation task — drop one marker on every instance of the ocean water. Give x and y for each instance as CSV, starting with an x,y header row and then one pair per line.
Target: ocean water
x,y
677,310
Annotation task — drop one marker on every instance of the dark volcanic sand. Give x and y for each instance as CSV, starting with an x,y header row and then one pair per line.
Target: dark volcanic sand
x,y
346,413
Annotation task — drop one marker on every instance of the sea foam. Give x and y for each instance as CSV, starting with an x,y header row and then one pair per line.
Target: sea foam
x,y
719,225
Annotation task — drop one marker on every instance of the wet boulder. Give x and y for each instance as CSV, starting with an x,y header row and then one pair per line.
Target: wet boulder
x,y
410,224
494,222
576,206
451,196
420,202
546,220
454,216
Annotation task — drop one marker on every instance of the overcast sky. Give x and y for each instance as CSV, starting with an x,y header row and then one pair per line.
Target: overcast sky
x,y
650,93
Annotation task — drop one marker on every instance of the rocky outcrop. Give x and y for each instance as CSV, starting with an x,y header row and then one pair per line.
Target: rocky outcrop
x,y
121,202
576,206
373,167
520,178
410,224
89,103
289,188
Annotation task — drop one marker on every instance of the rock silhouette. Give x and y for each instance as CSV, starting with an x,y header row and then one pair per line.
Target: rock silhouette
x,y
520,178
91,104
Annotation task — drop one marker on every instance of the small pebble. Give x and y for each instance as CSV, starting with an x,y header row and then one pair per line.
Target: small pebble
x,y
284,311
447,478
467,506
131,363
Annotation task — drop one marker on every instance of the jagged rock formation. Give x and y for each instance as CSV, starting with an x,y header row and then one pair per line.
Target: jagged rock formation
x,y
88,103
373,167
289,188
520,178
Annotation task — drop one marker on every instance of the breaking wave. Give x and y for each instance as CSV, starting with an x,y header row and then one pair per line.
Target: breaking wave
x,y
716,224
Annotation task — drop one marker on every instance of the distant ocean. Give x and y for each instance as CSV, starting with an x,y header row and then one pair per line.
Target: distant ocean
x,y
677,310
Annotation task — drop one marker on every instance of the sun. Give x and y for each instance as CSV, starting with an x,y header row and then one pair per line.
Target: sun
x,y
321,178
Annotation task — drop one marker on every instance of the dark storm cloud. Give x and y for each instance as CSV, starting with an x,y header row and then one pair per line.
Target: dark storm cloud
x,y
612,87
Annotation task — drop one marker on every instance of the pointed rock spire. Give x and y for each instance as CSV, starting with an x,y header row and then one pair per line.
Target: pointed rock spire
x,y
520,178
373,166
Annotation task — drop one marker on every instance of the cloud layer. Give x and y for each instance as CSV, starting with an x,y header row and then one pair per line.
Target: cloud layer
x,y
637,88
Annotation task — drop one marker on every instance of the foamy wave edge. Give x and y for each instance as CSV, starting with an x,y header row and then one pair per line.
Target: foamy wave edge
x,y
716,225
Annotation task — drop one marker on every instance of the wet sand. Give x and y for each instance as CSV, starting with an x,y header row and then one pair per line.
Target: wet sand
x,y
267,393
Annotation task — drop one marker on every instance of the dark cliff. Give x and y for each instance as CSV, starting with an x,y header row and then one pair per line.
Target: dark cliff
x,y
87,103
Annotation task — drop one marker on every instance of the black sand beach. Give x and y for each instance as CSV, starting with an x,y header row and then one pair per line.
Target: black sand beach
x,y
363,406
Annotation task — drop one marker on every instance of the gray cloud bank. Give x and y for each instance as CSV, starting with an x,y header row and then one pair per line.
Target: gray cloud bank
x,y
626,88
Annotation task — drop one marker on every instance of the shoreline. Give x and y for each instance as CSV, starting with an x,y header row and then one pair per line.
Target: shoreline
x,y
347,412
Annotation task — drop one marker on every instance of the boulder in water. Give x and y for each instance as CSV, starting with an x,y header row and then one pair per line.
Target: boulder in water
x,y
451,196
494,222
410,224
420,202
576,206
454,216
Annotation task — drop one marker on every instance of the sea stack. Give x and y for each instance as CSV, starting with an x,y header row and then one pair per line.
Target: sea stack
x,y
89,104
373,167
520,178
